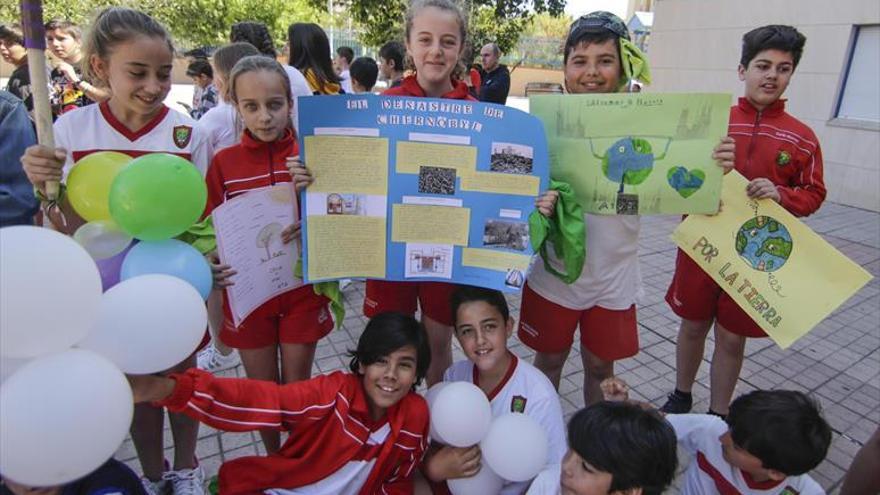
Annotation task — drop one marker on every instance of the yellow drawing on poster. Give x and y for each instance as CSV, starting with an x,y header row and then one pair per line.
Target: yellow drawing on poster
x,y
501,183
348,164
781,273
430,224
346,246
411,156
494,259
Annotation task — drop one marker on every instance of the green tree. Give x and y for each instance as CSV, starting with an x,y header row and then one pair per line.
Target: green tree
x,y
191,22
501,21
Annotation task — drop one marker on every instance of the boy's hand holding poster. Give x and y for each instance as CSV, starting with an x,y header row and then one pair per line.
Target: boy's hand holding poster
x,y
783,275
249,240
419,189
638,153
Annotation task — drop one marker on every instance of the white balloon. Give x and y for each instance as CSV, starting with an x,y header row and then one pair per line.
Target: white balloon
x,y
50,291
148,323
485,482
102,239
430,398
61,417
516,447
461,414
9,365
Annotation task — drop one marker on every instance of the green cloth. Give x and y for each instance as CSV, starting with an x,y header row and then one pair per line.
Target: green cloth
x,y
635,62
202,237
566,230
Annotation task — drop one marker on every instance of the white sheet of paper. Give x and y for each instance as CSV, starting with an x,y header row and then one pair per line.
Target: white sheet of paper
x,y
248,231
429,260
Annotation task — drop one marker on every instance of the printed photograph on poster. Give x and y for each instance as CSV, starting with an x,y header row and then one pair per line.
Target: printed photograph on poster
x,y
511,158
515,278
506,234
346,204
429,260
436,180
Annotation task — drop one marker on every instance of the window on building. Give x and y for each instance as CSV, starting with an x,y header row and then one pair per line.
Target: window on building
x,y
860,93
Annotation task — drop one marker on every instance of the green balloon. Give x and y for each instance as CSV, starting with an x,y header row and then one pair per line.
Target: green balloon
x,y
157,196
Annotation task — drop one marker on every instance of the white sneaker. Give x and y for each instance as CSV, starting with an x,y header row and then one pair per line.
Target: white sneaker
x,y
210,359
153,487
186,481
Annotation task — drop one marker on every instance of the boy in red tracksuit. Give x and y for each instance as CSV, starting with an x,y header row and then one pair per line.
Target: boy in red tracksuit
x,y
361,433
782,159
291,323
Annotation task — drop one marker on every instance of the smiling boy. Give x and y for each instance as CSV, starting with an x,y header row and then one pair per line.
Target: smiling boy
x,y
781,158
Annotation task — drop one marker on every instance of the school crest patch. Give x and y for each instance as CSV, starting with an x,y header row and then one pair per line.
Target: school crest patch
x,y
518,404
182,134
783,158
788,490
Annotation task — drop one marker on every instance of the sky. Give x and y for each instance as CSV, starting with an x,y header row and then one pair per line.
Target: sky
x,y
577,8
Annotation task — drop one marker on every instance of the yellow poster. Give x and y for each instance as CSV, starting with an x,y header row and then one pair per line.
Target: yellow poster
x,y
430,224
411,156
346,246
494,260
348,163
501,183
784,275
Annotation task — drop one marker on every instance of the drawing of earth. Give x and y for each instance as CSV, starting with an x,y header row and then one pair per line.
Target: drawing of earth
x,y
765,243
685,181
628,161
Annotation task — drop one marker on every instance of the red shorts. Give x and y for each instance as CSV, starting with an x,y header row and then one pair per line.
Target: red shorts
x,y
433,297
693,295
548,327
296,317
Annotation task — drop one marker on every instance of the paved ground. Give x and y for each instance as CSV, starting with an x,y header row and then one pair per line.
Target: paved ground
x,y
839,362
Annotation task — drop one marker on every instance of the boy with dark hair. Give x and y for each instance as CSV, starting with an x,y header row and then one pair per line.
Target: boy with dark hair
x,y
482,325
342,64
205,94
364,72
13,51
771,439
782,159
391,62
358,432
615,448
598,58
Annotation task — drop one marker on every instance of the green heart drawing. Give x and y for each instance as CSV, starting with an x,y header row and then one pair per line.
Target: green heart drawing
x,y
685,181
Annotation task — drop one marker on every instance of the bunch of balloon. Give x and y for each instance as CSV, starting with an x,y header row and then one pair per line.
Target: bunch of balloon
x,y
151,198
513,447
70,332
63,411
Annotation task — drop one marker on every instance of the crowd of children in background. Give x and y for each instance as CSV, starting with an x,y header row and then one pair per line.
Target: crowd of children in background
x,y
367,430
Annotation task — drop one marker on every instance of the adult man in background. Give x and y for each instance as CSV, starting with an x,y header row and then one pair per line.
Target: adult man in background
x,y
496,77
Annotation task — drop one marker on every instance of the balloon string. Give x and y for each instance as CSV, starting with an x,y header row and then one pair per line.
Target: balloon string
x,y
49,207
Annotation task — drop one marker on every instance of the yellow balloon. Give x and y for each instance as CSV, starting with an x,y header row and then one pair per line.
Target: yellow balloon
x,y
88,185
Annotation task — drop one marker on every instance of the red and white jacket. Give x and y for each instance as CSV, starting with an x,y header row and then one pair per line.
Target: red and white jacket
x,y
409,86
329,423
774,145
248,165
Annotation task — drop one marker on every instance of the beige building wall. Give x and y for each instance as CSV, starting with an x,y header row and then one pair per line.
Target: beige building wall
x,y
695,46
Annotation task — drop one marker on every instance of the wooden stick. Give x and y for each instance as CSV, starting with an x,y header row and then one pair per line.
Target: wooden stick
x,y
35,42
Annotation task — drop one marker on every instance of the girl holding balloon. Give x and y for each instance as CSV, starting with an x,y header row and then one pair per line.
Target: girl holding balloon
x,y
130,53
293,322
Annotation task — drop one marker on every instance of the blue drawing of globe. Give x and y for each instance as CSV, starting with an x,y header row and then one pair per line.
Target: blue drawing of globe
x,y
765,243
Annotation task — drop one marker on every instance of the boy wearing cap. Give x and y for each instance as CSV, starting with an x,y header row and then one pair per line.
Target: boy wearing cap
x,y
598,58
782,159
